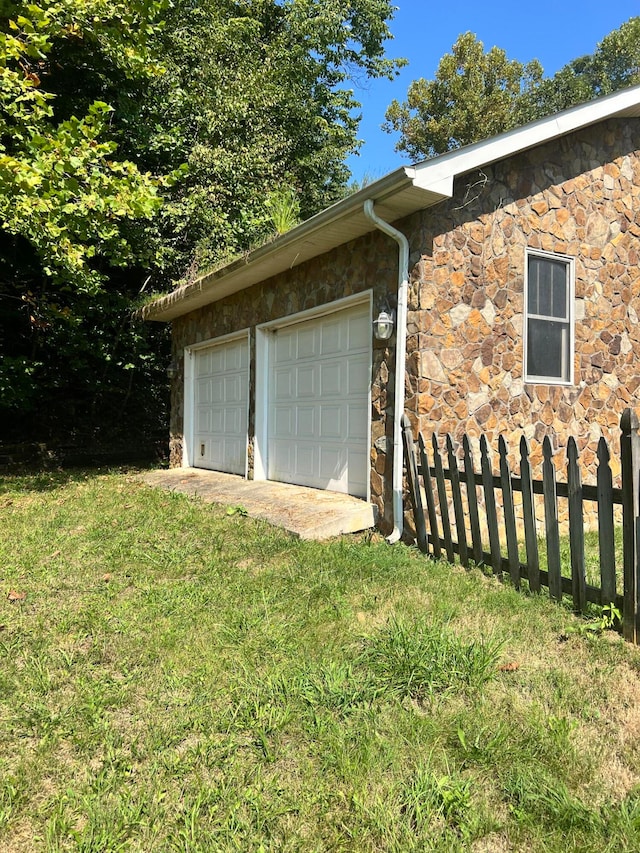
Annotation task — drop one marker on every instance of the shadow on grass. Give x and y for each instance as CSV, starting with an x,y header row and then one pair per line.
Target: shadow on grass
x,y
26,478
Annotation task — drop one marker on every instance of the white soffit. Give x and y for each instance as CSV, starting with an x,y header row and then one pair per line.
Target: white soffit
x,y
398,194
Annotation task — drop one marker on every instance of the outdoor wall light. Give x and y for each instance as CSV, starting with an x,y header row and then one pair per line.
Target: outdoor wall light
x,y
172,370
383,325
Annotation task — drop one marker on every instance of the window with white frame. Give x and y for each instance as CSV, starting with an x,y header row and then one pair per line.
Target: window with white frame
x,y
548,330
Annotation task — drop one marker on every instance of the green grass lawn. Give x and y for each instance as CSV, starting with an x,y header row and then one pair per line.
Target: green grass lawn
x,y
181,678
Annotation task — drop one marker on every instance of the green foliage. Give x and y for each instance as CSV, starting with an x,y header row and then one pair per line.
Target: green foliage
x,y
428,797
254,98
193,680
68,199
61,189
139,140
477,94
473,94
609,618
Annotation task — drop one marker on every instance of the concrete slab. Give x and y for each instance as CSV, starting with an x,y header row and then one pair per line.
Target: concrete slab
x,y
306,513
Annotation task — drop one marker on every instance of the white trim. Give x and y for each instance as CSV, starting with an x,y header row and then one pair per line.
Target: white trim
x,y
188,423
261,402
570,261
319,311
222,339
188,417
263,336
429,173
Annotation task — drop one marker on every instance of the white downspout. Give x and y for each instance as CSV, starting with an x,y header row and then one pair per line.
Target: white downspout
x,y
401,351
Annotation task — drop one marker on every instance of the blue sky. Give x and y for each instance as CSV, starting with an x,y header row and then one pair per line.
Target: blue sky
x,y
552,31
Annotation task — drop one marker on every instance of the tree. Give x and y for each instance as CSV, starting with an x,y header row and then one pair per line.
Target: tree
x,y
108,98
65,200
255,100
476,95
62,187
474,92
614,65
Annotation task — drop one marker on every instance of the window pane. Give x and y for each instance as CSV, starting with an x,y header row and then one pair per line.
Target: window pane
x,y
548,349
547,287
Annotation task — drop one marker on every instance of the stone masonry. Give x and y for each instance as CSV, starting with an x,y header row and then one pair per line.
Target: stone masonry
x,y
578,197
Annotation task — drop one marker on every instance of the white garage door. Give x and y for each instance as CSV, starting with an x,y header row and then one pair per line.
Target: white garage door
x,y
221,388
318,411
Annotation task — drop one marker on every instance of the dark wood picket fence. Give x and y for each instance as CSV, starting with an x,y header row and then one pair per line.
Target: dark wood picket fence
x,y
451,488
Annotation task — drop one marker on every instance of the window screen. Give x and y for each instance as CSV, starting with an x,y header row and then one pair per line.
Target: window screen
x,y
548,331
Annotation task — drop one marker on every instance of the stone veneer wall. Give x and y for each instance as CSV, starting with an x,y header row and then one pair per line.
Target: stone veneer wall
x,y
579,196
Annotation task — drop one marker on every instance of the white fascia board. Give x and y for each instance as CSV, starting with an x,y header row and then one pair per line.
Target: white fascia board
x,y
430,173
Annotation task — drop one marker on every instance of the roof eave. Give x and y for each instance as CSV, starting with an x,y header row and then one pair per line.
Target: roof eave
x,y
233,277
396,195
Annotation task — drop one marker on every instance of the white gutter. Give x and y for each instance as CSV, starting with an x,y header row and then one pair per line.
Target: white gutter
x,y
401,352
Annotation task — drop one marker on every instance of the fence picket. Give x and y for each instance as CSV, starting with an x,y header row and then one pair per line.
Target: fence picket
x,y
434,533
472,501
442,499
458,512
490,507
606,540
630,457
551,520
414,484
529,513
576,528
509,514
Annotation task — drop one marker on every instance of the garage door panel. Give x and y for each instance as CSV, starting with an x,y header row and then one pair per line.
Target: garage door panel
x,y
331,422
221,396
359,329
307,343
358,468
203,367
358,372
332,463
203,392
216,452
282,423
215,392
305,458
217,362
306,422
281,459
282,385
232,421
356,424
283,347
331,382
214,422
203,421
306,381
329,379
331,338
233,389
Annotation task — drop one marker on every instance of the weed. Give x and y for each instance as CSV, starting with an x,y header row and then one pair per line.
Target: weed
x,y
237,510
421,659
610,617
